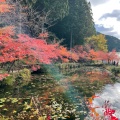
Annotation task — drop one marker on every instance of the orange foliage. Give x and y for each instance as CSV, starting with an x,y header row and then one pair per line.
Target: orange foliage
x,y
80,52
94,114
2,0
74,56
2,76
97,75
112,56
8,30
93,55
66,55
65,60
74,77
5,7
63,53
101,55
43,35
108,56
108,111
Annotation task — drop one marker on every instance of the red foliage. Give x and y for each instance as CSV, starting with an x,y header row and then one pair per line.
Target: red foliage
x,y
92,55
112,56
7,31
74,56
4,7
35,67
10,49
43,35
66,55
81,53
108,56
2,76
2,0
26,48
109,113
101,55
95,55
63,53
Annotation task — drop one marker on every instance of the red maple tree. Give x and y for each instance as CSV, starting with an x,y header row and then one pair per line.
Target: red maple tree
x,y
109,56
22,47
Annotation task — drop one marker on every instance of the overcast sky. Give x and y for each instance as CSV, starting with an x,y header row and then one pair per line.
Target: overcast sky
x,y
106,15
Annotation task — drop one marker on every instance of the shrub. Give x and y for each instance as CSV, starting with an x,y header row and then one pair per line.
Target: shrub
x,y
23,76
9,80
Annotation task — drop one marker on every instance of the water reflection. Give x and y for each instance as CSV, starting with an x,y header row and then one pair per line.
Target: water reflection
x,y
111,94
69,89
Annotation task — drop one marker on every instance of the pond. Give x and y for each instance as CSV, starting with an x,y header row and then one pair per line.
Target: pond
x,y
107,102
59,95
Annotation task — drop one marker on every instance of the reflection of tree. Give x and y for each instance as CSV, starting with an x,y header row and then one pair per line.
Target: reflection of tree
x,y
107,112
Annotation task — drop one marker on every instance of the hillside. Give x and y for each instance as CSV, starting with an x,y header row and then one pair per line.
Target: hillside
x,y
113,42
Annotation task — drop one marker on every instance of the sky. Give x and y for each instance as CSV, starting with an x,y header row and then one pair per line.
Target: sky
x,y
106,15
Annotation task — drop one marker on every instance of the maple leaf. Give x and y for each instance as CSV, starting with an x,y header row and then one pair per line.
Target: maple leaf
x,y
5,8
2,76
43,35
8,30
2,0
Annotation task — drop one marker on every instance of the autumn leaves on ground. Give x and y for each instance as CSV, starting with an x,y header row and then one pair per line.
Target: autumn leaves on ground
x,y
21,54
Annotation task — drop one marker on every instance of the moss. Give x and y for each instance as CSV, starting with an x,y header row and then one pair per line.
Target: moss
x,y
9,80
25,74
4,118
22,77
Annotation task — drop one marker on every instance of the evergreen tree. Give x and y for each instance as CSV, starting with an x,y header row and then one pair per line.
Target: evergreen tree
x,y
77,25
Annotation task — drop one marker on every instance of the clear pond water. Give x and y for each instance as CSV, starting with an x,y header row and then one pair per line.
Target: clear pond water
x,y
66,93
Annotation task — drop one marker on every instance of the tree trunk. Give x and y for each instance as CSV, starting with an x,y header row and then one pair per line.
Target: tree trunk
x,y
11,66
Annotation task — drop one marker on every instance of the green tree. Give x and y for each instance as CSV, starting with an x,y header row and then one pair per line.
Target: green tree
x,y
57,8
77,25
97,42
42,14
